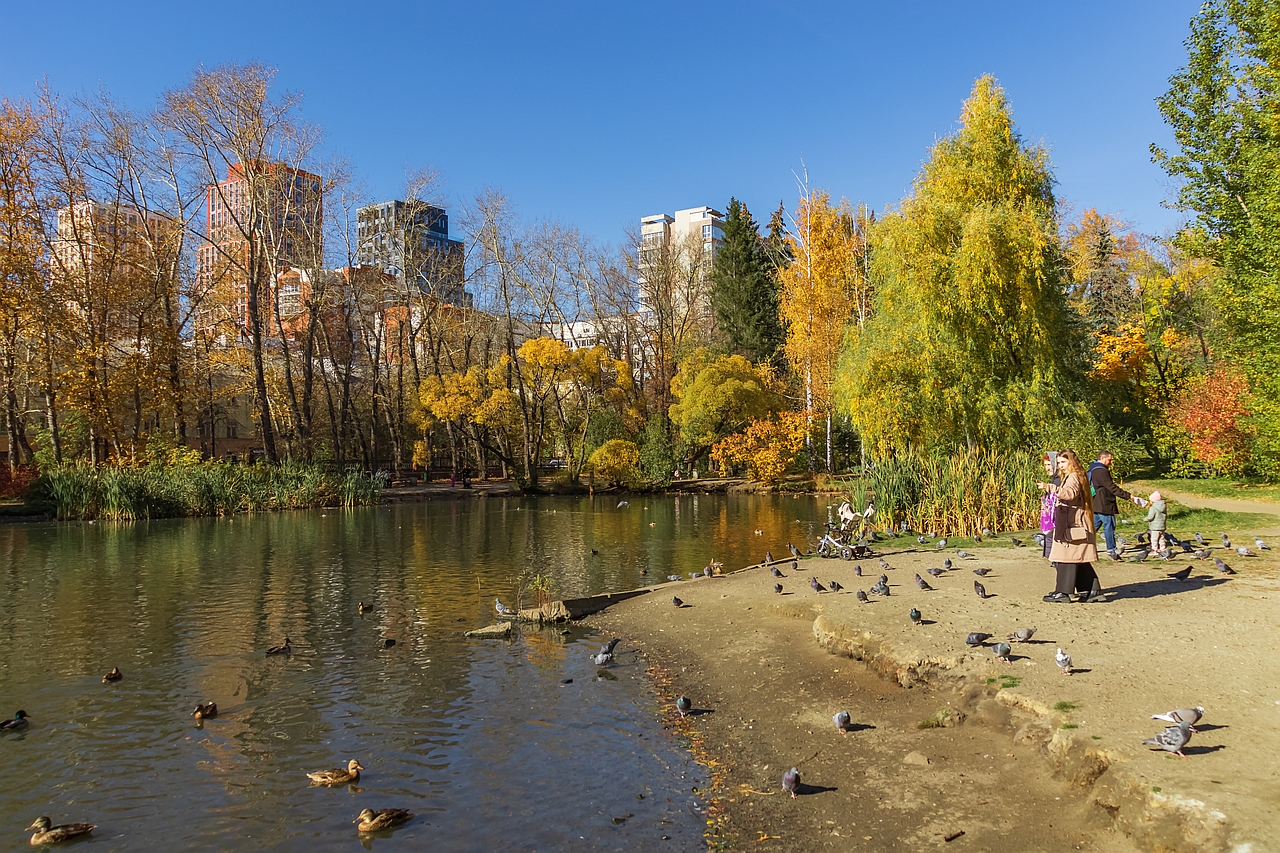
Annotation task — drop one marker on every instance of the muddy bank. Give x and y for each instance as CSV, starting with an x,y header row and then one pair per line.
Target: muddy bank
x,y
1015,739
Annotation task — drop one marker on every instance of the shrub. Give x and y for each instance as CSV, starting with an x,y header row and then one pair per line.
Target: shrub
x,y
616,461
767,446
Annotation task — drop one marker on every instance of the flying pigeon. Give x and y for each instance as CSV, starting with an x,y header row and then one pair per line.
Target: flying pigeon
x,y
1172,739
1223,567
936,572
857,570
768,556
816,586
1002,652
683,705
791,781
795,552
1243,551
777,587
914,615
1262,546
947,564
1199,538
982,573
1064,661
602,658
881,588
862,596
1181,574
922,583
940,544
676,601
1022,635
776,572
1017,543
976,638
503,610
842,721
621,504
962,554
980,589
1190,716
835,586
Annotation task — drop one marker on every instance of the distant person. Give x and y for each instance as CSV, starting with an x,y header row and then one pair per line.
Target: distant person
x,y
1105,492
1050,499
1075,537
1157,518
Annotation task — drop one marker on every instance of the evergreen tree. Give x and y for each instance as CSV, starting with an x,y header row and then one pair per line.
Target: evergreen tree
x,y
744,292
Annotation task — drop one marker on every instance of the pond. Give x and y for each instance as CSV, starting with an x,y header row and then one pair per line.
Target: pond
x,y
488,743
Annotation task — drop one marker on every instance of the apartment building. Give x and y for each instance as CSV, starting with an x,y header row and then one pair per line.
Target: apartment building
x,y
410,240
670,245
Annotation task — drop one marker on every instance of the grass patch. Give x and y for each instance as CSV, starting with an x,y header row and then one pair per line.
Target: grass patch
x,y
1155,789
1096,737
1185,520
1216,487
940,719
1065,706
1009,681
1070,726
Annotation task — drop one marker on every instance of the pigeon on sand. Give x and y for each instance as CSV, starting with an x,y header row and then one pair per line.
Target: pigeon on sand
x,y
842,721
922,583
980,589
683,705
1022,635
1172,739
1190,716
914,615
976,638
676,601
1064,661
791,781
816,585
862,596
1002,652
777,587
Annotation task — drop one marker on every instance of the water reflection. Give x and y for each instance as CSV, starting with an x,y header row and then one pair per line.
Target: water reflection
x,y
481,740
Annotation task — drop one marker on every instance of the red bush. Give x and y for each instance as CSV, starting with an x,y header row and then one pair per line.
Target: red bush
x,y
15,484
1212,410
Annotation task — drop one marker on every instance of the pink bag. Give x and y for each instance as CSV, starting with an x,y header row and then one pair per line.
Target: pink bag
x,y
1048,504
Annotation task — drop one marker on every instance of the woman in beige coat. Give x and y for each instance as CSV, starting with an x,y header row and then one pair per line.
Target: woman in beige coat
x,y
1075,546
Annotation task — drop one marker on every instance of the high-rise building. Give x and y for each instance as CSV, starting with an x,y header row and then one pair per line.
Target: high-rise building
x,y
90,230
411,242
281,209
671,246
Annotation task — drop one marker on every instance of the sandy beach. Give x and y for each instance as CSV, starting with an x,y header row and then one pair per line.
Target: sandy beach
x,y
1019,755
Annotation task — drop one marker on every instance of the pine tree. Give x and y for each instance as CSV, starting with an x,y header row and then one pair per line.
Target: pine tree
x,y
744,291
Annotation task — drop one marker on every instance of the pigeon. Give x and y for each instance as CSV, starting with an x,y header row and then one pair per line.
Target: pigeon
x,y
816,586
1223,567
884,564
857,570
676,601
976,638
1144,538
1181,574
884,579
1064,661
835,586
1243,551
1165,555
1226,543
777,587
1038,538
1190,716
1001,651
964,555
795,565
683,705
611,645
791,781
947,564
1122,542
862,596
921,540
795,552
1199,539
503,610
922,583
1262,546
674,578
768,556
940,544
982,573
1017,543
776,572
693,575
881,588
1172,739
282,649
621,504
1203,554
914,615
706,571
980,589
986,531
1115,556
1022,635
937,573
842,721
602,658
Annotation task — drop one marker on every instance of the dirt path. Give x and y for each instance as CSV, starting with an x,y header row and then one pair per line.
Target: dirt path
x,y
1224,504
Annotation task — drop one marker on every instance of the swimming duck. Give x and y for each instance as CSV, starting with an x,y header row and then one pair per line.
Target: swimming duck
x,y
372,821
205,709
47,833
114,675
17,724
362,607
338,777
281,649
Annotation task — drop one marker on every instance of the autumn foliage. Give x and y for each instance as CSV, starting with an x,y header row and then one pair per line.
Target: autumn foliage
x,y
767,446
1211,411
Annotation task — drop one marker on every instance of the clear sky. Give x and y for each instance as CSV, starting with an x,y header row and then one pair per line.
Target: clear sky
x,y
600,112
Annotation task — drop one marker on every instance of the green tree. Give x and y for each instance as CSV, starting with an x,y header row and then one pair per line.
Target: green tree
x,y
1224,110
717,396
744,292
971,340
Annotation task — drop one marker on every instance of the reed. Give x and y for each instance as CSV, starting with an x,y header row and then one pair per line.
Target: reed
x,y
956,494
206,488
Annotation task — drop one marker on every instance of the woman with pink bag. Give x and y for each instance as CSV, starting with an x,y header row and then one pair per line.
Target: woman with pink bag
x,y
1049,502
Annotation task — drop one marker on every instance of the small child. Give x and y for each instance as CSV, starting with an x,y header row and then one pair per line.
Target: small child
x,y
1157,515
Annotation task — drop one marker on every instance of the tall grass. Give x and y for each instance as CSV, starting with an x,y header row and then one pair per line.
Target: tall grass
x,y
206,488
957,494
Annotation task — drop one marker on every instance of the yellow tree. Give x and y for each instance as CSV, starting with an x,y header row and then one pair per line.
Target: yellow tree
x,y
819,292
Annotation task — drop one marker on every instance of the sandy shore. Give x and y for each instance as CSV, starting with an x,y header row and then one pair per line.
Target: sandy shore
x,y
1029,759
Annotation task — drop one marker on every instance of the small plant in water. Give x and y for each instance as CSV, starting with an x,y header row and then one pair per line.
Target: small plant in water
x,y
1065,706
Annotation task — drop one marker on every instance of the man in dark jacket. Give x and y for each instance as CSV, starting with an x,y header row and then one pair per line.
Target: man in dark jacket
x,y
1105,492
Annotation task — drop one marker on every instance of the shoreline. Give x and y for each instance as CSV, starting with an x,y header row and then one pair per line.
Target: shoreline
x,y
1082,735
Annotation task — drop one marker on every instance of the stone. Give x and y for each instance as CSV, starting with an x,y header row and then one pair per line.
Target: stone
x,y
915,758
491,632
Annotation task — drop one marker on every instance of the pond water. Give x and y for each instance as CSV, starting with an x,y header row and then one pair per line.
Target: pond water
x,y
482,740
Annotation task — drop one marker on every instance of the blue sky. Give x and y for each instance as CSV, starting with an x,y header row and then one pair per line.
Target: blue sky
x,y
598,113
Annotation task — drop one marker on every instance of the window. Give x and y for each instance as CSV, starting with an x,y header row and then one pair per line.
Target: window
x,y
706,232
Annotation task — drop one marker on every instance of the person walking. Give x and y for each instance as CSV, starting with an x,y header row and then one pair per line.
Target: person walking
x,y
1075,536
1049,500
1105,492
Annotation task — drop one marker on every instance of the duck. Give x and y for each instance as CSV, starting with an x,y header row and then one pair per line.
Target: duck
x,y
205,709
282,649
114,675
372,821
47,833
338,776
17,724
362,607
